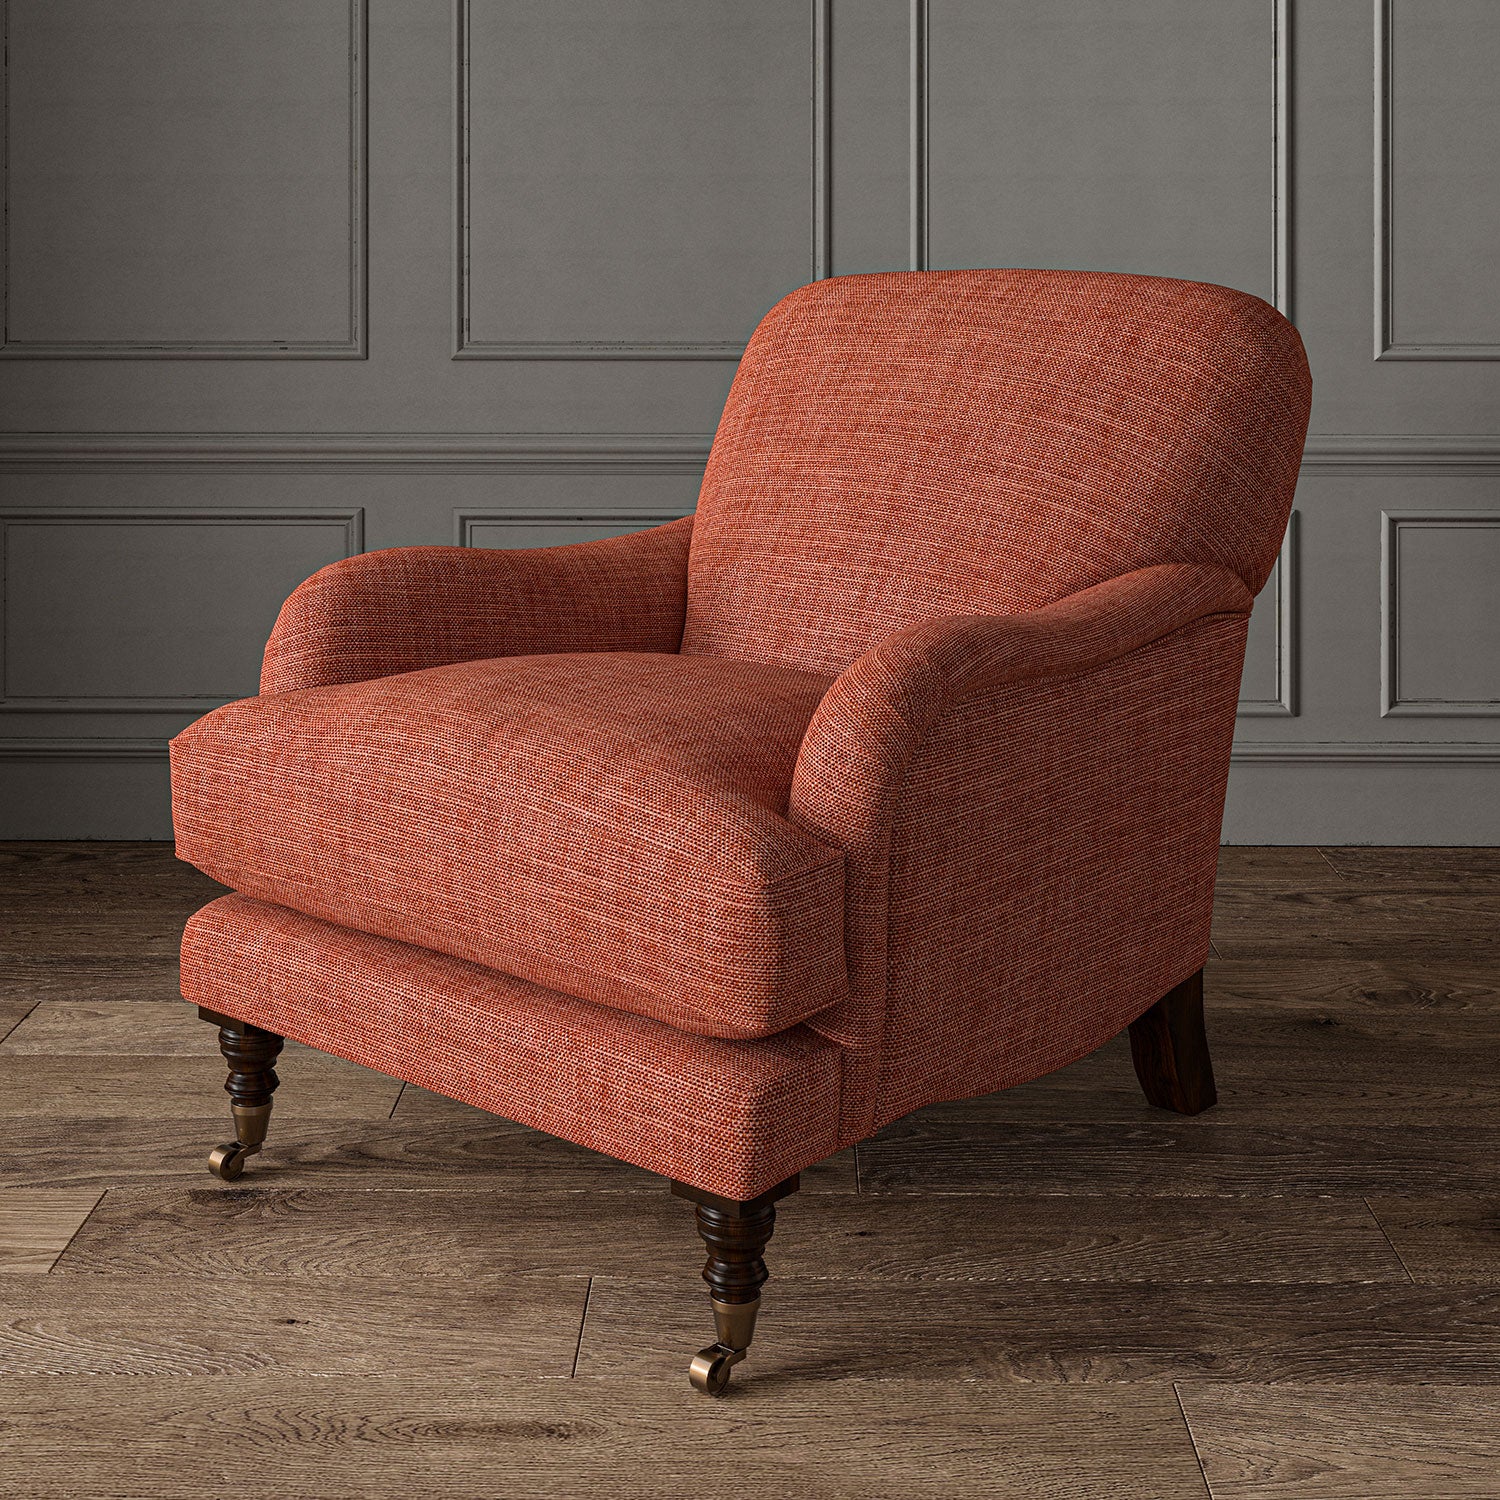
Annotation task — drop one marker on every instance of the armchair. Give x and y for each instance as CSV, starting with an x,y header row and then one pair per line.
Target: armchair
x,y
894,775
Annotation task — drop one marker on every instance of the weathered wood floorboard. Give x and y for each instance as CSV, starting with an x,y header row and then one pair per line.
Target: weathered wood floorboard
x,y
1069,1333
942,1150
223,1326
1358,1442
416,1436
251,1230
36,1225
1446,1239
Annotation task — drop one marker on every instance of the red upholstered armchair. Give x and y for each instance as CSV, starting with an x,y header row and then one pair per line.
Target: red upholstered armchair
x,y
894,775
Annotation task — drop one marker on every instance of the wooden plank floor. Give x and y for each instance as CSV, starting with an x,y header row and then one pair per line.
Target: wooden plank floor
x,y
1054,1291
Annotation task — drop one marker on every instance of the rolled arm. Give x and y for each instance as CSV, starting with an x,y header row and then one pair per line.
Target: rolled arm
x,y
877,712
412,607
1029,807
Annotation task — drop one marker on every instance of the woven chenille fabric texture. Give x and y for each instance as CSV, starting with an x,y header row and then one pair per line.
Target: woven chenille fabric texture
x,y
895,775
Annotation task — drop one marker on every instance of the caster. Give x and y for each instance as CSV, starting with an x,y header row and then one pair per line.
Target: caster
x,y
226,1162
709,1371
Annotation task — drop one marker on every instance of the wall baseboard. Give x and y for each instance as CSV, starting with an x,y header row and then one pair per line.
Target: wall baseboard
x,y
1456,803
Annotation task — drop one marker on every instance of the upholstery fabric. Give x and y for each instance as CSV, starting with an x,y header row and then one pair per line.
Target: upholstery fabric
x,y
895,775
610,825
411,607
911,445
729,1117
1035,912
1030,806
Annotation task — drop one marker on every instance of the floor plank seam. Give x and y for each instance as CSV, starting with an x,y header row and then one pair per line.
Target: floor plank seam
x,y
82,1225
582,1322
1208,1489
1389,1241
24,1016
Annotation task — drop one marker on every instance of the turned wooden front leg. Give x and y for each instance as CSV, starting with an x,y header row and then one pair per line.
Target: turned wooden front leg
x,y
1169,1047
251,1054
735,1233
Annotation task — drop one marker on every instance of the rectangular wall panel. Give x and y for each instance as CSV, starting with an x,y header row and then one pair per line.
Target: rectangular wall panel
x,y
1100,136
1437,193
184,178
637,178
1441,613
161,611
1269,685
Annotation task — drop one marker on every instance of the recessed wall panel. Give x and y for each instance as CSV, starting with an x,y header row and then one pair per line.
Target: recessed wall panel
x,y
638,178
154,611
184,178
1101,136
1442,613
1268,686
1438,123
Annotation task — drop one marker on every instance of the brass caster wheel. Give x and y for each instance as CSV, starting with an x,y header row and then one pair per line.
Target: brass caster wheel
x,y
226,1162
709,1371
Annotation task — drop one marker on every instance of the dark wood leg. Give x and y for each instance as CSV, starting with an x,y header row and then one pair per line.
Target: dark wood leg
x,y
1170,1049
735,1232
251,1054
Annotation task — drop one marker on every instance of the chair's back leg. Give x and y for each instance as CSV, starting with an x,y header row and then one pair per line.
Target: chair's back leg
x,y
1170,1049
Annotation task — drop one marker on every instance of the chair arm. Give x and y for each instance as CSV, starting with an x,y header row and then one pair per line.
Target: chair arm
x,y
1029,808
880,708
412,607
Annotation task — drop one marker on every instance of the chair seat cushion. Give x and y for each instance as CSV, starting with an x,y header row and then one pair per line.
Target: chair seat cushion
x,y
608,825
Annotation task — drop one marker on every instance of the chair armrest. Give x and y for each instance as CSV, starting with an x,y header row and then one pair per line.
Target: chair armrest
x,y
880,708
1029,808
412,607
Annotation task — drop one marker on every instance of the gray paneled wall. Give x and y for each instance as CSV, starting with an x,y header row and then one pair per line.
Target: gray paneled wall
x,y
288,278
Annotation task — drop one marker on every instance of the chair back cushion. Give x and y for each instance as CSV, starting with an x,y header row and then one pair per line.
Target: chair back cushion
x,y
908,445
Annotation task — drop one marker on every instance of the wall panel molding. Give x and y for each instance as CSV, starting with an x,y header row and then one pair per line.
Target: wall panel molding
x,y
1386,346
351,347
466,522
1284,704
1281,158
355,452
352,522
83,748
1367,752
1405,453
465,346
919,223
595,452
1393,703
921,163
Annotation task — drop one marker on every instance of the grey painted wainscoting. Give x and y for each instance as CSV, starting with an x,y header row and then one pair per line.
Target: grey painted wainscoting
x,y
285,279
